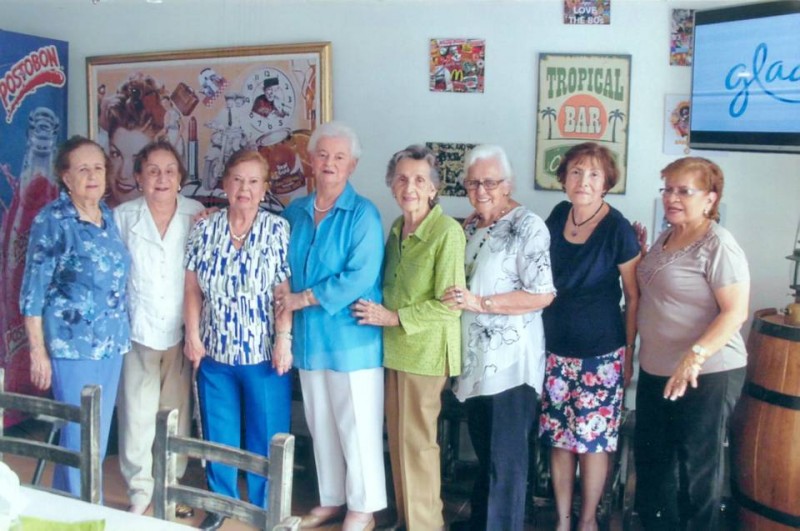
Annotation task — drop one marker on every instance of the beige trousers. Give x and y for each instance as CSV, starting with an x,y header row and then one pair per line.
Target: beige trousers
x,y
413,403
151,380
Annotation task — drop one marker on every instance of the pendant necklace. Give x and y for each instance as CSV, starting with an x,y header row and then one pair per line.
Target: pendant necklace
x,y
471,264
577,226
236,237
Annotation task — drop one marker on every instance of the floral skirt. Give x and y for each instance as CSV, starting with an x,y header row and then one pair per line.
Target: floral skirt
x,y
582,402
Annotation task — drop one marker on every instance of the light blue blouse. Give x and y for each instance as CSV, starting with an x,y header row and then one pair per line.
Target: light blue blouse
x,y
76,276
237,323
341,261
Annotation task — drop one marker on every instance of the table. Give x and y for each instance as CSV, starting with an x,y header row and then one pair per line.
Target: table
x,y
41,504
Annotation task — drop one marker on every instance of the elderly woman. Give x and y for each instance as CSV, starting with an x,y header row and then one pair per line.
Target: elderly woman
x,y
131,118
589,340
421,336
336,252
74,295
509,281
155,374
695,286
241,347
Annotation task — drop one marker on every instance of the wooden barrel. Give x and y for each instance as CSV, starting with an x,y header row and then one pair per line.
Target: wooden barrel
x,y
765,429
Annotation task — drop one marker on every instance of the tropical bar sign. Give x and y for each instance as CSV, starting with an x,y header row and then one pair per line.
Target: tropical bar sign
x,y
582,98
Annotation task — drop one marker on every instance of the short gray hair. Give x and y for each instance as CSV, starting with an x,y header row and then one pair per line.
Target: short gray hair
x,y
489,151
336,130
414,152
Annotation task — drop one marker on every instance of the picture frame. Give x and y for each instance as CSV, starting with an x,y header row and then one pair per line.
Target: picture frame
x,y
209,103
582,98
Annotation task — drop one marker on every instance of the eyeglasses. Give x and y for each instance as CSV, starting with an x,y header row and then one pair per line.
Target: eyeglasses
x,y
488,184
680,191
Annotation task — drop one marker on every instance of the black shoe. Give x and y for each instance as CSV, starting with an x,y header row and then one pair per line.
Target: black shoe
x,y
211,522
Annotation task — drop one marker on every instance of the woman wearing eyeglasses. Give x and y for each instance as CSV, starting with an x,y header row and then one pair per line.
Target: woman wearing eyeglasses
x,y
509,282
695,287
589,339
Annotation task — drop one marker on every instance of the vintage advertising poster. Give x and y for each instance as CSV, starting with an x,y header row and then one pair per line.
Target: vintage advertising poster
x,y
587,12
681,37
33,122
451,166
677,113
209,104
457,65
582,98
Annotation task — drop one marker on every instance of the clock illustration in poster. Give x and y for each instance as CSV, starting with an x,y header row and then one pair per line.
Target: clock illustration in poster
x,y
272,99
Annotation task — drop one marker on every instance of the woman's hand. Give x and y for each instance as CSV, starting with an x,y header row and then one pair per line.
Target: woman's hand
x,y
41,369
290,302
685,374
459,298
194,350
204,214
282,354
641,237
370,313
627,367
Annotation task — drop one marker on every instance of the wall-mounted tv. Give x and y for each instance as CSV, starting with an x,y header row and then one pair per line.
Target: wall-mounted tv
x,y
746,78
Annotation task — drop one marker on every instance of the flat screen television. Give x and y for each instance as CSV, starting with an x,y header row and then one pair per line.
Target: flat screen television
x,y
746,78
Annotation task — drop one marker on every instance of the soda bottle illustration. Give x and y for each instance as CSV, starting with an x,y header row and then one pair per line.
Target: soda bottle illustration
x,y
34,189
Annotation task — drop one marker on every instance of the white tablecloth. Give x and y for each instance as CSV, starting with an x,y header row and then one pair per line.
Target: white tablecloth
x,y
49,506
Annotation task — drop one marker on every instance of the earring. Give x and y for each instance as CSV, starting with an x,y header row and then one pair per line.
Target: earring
x,y
705,212
179,188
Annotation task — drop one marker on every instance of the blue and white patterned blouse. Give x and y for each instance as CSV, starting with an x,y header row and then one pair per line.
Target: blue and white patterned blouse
x,y
237,323
76,278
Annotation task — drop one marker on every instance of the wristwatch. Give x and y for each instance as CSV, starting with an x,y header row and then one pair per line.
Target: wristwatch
x,y
487,304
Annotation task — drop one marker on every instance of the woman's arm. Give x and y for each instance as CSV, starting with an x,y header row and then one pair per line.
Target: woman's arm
x,y
41,369
193,346
515,302
282,349
733,301
630,290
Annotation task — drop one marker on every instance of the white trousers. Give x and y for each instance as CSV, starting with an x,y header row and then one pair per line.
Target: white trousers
x,y
344,411
151,380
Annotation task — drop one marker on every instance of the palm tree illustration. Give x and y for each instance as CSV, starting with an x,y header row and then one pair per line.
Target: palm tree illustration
x,y
613,117
550,114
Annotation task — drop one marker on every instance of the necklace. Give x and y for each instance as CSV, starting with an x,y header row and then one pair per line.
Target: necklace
x,y
238,238
471,264
94,219
322,210
585,221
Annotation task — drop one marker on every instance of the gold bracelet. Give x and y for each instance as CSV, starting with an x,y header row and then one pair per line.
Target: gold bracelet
x,y
285,334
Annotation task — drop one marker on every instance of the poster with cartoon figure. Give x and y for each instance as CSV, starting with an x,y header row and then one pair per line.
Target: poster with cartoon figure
x,y
210,104
582,98
457,65
681,37
677,114
588,12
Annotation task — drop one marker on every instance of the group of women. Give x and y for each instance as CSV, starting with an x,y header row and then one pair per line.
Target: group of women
x,y
510,307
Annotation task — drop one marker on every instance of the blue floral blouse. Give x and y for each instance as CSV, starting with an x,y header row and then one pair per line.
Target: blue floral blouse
x,y
75,279
237,323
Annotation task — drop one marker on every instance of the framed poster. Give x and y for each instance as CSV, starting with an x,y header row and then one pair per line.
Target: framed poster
x,y
451,156
209,104
457,65
582,98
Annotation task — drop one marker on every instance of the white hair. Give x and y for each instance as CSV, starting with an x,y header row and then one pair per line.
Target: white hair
x,y
490,151
336,130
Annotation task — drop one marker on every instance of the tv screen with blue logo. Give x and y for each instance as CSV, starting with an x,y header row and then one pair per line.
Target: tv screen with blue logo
x,y
746,78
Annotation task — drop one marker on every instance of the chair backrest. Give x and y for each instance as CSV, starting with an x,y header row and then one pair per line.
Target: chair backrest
x,y
87,415
277,468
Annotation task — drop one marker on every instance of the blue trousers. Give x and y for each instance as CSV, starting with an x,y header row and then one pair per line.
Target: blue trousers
x,y
69,377
499,428
230,393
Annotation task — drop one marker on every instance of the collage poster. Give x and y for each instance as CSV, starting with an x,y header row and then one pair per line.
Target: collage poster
x,y
681,37
451,166
582,98
587,12
457,65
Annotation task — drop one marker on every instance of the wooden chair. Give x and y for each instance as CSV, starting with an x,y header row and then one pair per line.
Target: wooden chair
x,y
87,460
278,469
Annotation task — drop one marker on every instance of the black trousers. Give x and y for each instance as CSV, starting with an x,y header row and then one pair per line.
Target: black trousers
x,y
678,450
499,428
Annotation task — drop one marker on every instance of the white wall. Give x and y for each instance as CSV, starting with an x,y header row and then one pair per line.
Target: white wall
x,y
381,89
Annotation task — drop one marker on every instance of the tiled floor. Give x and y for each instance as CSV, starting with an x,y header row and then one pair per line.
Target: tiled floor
x,y
305,493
